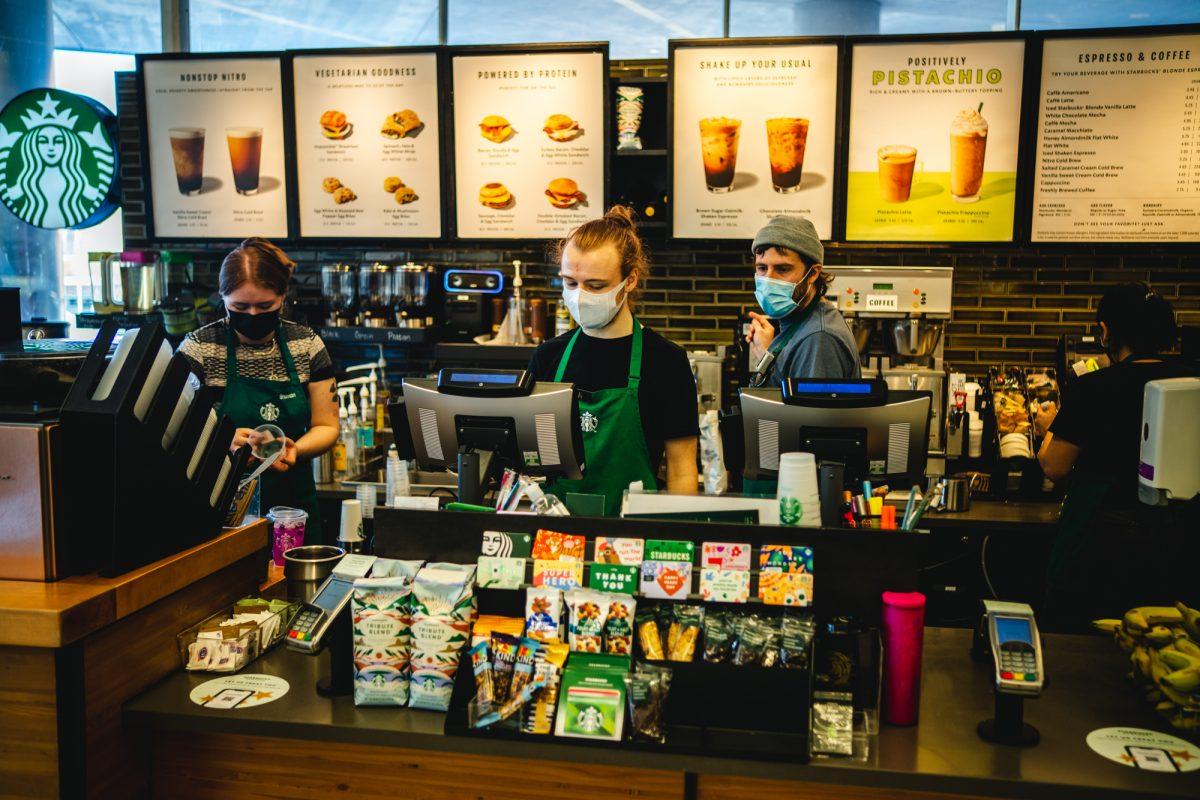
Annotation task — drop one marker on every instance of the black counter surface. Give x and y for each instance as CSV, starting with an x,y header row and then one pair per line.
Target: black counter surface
x,y
1086,689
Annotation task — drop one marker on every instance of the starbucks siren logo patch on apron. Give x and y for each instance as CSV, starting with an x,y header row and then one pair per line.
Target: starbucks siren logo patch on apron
x,y
269,412
588,422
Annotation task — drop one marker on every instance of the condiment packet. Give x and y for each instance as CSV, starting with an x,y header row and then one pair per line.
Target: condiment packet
x,y
618,624
543,613
785,588
666,580
496,572
670,550
555,546
619,551
586,620
724,585
613,578
725,555
506,545
563,575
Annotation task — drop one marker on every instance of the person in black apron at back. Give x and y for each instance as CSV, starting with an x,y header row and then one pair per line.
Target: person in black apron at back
x,y
637,397
269,370
1112,552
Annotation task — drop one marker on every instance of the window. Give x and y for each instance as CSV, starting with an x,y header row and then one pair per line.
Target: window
x,y
219,25
853,17
1051,14
635,28
108,26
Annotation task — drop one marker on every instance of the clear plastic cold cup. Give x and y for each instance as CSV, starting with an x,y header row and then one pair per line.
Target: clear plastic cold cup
x,y
287,530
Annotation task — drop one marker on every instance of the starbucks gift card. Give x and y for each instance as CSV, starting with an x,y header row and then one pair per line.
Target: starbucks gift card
x,y
785,588
555,546
668,550
619,551
725,585
613,578
558,574
785,558
500,573
666,580
506,545
725,555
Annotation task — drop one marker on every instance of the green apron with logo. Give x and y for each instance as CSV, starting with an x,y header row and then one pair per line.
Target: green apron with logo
x,y
614,446
767,487
251,402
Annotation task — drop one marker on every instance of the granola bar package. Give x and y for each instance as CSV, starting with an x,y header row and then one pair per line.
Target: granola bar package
x,y
586,624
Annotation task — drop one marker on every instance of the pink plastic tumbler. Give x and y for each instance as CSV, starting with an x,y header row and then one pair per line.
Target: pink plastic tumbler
x,y
903,638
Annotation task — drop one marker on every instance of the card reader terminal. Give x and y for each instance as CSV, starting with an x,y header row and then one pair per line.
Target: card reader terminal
x,y
315,617
1016,648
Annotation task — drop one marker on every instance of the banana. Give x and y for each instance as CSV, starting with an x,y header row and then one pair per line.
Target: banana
x,y
1106,625
1177,660
1191,620
1186,646
1160,615
1134,620
1166,708
1141,663
1178,698
1123,641
1185,681
1159,636
1156,668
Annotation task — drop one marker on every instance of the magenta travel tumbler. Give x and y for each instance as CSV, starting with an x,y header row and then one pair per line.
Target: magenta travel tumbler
x,y
903,638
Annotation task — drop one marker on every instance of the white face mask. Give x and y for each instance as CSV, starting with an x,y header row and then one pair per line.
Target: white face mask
x,y
593,310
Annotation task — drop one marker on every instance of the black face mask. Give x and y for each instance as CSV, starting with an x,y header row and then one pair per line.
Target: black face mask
x,y
254,326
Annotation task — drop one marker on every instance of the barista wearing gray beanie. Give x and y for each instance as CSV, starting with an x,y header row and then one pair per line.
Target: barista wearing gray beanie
x,y
813,341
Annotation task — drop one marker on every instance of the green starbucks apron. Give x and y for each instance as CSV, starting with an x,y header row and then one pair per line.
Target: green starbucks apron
x,y
767,487
614,446
251,402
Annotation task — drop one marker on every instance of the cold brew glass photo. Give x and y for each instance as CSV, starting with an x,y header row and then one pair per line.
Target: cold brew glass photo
x,y
187,150
968,145
245,154
786,138
718,147
896,162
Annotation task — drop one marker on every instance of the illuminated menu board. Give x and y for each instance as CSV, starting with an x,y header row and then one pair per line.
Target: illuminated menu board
x,y
1118,146
933,141
753,136
530,139
215,142
368,160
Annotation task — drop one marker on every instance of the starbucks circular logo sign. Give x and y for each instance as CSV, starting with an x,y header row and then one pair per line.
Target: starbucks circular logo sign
x,y
57,159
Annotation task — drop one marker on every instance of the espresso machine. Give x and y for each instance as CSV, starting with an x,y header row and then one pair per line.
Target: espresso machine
x,y
898,317
339,287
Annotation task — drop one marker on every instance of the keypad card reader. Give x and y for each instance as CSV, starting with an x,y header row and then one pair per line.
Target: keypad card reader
x,y
315,617
1016,647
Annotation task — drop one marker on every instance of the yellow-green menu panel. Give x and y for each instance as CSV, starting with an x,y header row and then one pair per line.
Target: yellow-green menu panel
x,y
934,134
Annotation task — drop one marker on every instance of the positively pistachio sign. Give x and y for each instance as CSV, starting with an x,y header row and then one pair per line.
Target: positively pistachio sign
x,y
934,130
57,159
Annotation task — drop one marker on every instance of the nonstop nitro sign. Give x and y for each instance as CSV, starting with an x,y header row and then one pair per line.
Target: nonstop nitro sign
x,y
57,159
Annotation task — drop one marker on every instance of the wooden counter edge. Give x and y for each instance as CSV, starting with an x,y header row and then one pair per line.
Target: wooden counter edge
x,y
37,614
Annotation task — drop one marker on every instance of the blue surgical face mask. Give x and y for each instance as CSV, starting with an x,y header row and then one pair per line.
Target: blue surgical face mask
x,y
776,297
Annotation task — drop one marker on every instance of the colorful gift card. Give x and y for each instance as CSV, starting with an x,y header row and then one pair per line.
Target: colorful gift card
x,y
507,545
725,555
667,550
666,580
785,558
500,573
785,588
613,578
619,551
725,585
558,574
555,546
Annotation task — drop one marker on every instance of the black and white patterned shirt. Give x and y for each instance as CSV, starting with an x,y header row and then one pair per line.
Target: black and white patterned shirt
x,y
204,349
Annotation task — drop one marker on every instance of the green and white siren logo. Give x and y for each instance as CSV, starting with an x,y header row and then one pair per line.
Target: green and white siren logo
x,y
57,159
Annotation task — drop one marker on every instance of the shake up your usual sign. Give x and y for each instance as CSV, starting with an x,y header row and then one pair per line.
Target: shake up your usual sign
x,y
57,159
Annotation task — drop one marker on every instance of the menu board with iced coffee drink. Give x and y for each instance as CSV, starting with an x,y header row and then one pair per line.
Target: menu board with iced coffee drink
x,y
368,163
753,136
1118,151
933,140
529,141
214,137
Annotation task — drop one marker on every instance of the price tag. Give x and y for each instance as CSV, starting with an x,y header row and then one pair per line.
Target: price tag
x,y
883,302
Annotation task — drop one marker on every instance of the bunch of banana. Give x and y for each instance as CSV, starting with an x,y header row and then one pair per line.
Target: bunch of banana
x,y
1163,645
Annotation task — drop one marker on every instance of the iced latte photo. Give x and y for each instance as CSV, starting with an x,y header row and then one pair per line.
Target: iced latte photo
x,y
786,138
718,148
896,162
968,144
187,151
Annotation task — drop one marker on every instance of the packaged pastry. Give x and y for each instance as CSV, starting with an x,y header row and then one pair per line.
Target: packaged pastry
x,y
648,686
618,624
586,620
649,635
543,613
684,632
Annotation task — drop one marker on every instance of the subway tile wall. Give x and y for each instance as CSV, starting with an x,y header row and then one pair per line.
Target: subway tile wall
x,y
1010,303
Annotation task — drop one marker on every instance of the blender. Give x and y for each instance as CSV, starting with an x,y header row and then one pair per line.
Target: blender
x,y
339,286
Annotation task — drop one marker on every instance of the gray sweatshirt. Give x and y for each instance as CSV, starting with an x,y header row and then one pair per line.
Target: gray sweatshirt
x,y
821,346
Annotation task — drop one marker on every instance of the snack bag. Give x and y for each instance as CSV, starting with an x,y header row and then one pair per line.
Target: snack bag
x,y
796,632
543,613
684,632
618,625
444,589
717,637
504,659
586,627
487,624
485,690
380,620
547,669
647,689
649,635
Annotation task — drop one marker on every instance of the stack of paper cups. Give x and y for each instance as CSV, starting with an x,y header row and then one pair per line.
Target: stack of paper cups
x,y
352,526
799,497
367,496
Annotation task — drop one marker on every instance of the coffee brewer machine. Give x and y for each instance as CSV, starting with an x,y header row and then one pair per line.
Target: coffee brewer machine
x,y
898,316
339,287
414,285
377,295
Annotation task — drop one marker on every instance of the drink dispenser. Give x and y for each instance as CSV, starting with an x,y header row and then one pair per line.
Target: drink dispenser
x,y
339,286
377,295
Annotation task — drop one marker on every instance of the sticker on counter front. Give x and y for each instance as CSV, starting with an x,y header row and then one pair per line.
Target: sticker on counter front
x,y
725,555
558,574
506,545
620,551
724,585
1145,749
666,580
239,691
668,550
620,578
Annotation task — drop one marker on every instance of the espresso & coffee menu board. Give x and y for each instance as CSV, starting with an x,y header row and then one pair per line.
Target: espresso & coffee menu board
x,y
934,134
529,142
215,141
1118,153
368,162
754,130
